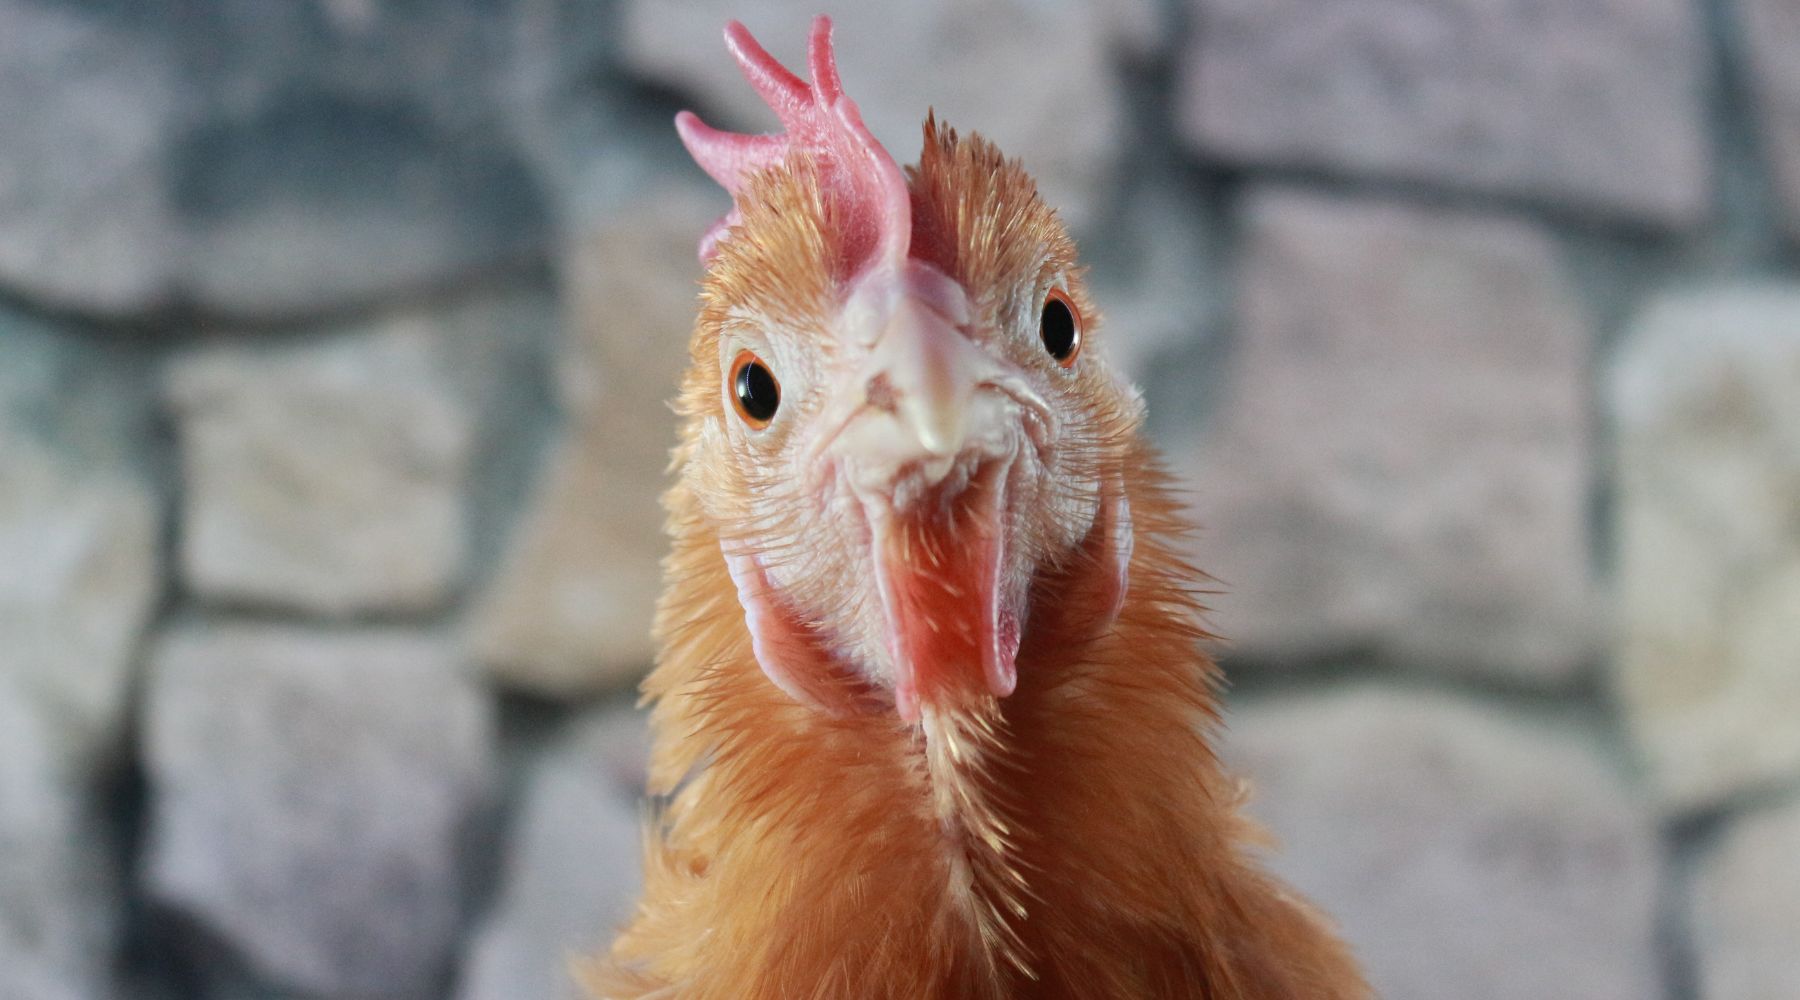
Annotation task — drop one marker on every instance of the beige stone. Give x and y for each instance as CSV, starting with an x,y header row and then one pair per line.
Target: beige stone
x,y
1465,851
1746,909
1397,461
569,612
631,286
311,793
1588,104
325,476
1706,398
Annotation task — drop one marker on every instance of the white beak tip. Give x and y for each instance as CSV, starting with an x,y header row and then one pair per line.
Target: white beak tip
x,y
939,437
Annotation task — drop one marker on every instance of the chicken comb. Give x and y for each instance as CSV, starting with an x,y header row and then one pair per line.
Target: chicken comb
x,y
863,184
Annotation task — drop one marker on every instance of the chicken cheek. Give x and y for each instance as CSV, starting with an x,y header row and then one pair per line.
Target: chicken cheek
x,y
790,654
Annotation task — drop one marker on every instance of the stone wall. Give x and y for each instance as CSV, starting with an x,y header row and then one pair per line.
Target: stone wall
x,y
334,345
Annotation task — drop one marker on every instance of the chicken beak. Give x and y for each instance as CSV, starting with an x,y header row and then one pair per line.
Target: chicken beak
x,y
922,368
929,453
928,366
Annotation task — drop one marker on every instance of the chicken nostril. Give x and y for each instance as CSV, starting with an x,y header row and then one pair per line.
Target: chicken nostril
x,y
879,393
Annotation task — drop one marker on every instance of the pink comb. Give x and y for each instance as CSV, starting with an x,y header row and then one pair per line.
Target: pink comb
x,y
863,183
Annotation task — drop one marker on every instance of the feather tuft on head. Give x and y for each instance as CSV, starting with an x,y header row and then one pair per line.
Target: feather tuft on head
x,y
863,185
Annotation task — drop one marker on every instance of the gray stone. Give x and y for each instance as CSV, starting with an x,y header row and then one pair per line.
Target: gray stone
x,y
593,148
79,530
319,203
78,580
569,612
450,59
1463,852
1591,105
230,987
1154,284
27,979
573,868
261,160
1746,909
309,793
81,393
1771,33
79,577
1397,462
346,151
1706,400
89,106
1035,79
58,932
1140,30
325,476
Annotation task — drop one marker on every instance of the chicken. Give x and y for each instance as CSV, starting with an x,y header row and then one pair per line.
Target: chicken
x,y
931,712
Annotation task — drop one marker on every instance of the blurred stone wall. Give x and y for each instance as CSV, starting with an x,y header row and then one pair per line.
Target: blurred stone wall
x,y
334,344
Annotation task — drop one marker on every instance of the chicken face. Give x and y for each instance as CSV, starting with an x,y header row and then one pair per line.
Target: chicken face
x,y
901,421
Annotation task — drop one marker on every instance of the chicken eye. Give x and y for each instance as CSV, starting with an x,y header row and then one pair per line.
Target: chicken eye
x,y
754,392
1059,327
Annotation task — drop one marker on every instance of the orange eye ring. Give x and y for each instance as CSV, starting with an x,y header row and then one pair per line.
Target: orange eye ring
x,y
754,391
1060,327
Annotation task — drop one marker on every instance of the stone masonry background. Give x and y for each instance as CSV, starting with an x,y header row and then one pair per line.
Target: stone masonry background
x,y
335,337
